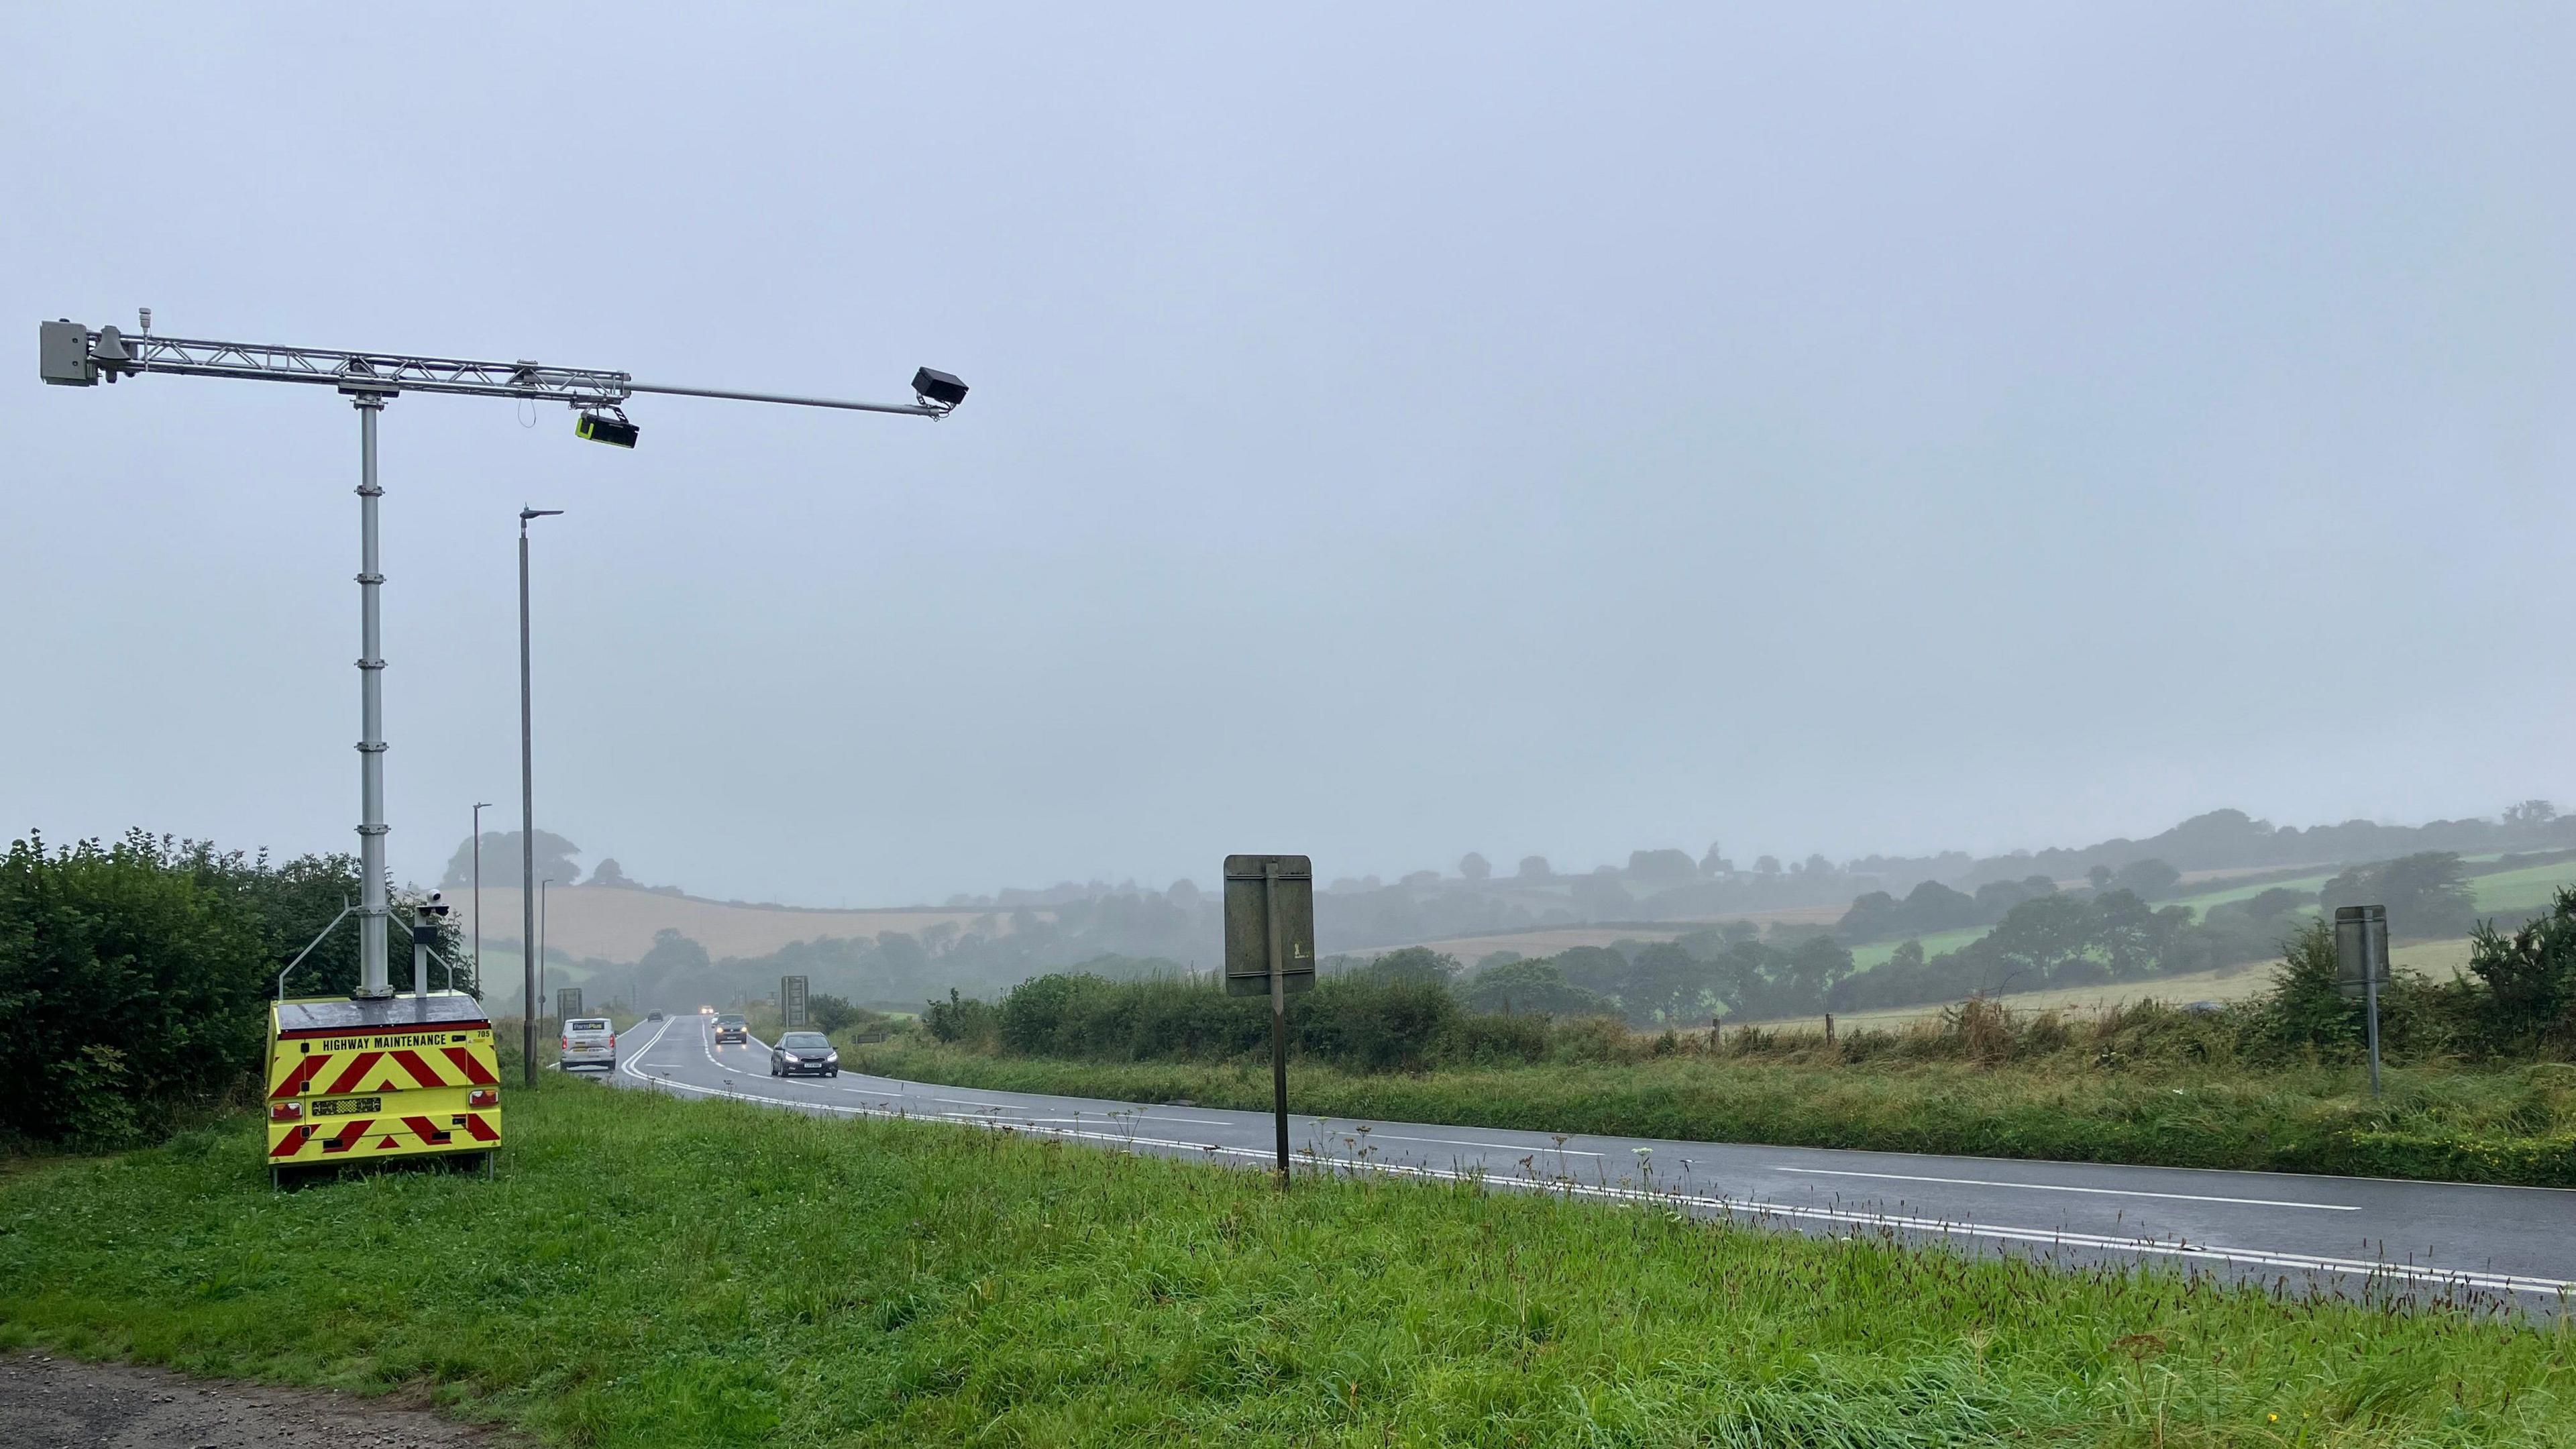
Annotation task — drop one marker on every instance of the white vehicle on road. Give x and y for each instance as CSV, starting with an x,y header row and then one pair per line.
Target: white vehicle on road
x,y
588,1041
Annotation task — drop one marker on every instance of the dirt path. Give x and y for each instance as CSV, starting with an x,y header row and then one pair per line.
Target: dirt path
x,y
48,1402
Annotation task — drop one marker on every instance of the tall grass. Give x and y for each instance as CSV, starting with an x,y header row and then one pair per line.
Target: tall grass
x,y
2143,1085
653,1272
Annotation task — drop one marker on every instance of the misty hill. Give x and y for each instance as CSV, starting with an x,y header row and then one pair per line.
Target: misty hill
x,y
639,938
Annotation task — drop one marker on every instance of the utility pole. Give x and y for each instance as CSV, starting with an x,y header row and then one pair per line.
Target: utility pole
x,y
527,818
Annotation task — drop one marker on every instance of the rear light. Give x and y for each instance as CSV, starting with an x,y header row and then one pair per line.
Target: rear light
x,y
286,1112
565,1045
483,1097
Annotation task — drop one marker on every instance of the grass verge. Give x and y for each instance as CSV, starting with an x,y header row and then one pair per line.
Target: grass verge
x,y
2513,1126
656,1272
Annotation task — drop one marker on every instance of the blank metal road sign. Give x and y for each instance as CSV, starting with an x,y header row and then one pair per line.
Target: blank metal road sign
x,y
1247,922
791,1001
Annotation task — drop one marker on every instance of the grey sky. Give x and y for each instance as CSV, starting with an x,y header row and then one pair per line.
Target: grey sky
x,y
1396,431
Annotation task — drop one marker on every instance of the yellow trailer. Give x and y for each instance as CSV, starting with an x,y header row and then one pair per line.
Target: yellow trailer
x,y
398,1076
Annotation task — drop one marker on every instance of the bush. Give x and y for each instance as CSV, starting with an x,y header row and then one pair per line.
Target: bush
x,y
2530,976
131,988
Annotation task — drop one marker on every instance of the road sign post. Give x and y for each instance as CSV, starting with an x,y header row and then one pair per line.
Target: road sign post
x,y
791,1002
1270,948
567,1002
2361,967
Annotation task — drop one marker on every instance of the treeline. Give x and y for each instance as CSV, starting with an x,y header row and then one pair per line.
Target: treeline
x,y
1932,907
135,977
1404,1012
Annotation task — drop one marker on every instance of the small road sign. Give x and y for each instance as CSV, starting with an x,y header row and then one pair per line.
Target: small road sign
x,y
791,1001
1253,885
567,1001
2361,966
1270,948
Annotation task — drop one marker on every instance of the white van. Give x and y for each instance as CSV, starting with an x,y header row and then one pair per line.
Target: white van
x,y
588,1041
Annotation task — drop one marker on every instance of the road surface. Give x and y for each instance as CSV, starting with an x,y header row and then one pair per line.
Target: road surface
x,y
2300,1234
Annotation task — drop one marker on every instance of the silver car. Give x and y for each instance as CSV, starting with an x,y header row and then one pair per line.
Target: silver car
x,y
589,1041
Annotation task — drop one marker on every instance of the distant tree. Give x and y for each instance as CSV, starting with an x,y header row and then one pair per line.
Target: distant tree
x,y
1529,987
1492,959
671,951
2038,943
1715,862
1534,867
1594,968
1421,880
1766,865
1661,867
2039,885
2530,812
1932,906
2100,875
1666,984
609,873
1475,867
2146,879
1184,893
1818,865
2278,901
501,859
2126,932
1998,896
1414,965
1871,916
2427,894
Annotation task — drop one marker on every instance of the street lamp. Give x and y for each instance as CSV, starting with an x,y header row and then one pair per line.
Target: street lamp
x,y
527,809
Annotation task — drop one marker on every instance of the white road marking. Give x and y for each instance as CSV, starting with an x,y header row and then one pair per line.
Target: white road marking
x,y
2323,1207
1550,1150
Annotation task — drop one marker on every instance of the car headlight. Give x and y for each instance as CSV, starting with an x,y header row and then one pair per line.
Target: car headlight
x,y
790,1059
831,1056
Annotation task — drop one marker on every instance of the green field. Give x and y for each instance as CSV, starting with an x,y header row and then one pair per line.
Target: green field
x,y
2437,1122
2515,892
2503,894
650,1272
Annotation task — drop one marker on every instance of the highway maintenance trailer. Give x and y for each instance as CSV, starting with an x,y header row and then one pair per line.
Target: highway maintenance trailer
x,y
352,1079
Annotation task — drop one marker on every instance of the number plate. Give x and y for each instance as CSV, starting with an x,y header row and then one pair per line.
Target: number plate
x,y
348,1106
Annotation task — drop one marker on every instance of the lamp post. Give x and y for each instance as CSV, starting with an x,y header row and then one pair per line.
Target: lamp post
x,y
527,813
479,807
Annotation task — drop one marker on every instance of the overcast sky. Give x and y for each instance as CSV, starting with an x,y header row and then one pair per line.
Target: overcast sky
x,y
1396,430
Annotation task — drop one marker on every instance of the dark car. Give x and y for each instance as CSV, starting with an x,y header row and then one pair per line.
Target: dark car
x,y
730,1027
804,1054
652,1016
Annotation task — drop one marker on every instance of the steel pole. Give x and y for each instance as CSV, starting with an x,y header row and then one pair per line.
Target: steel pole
x,y
1278,1012
527,834
372,908
2377,950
